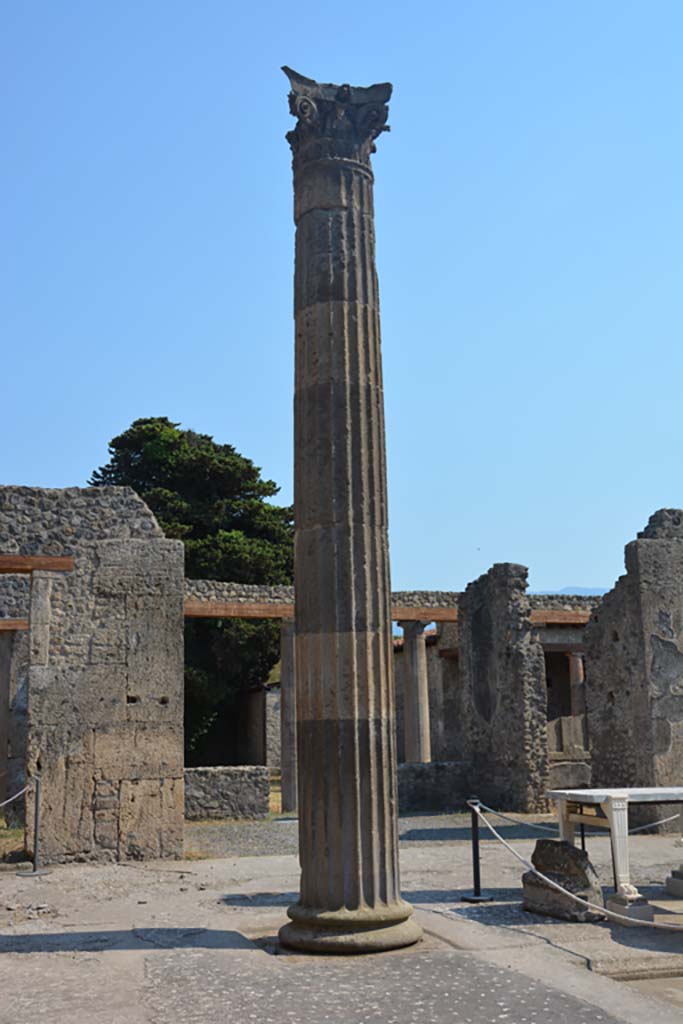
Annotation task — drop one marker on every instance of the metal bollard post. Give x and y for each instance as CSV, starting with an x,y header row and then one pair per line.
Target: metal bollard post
x,y
37,870
476,897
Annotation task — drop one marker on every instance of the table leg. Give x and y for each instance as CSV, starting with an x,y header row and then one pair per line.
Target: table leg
x,y
674,881
567,828
627,900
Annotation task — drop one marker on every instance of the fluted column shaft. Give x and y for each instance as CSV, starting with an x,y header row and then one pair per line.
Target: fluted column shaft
x,y
418,744
288,751
348,840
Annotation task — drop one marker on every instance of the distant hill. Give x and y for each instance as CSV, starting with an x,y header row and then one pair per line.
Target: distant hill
x,y
579,591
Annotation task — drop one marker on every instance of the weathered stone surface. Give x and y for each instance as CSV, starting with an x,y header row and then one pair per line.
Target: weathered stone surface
x,y
13,711
251,593
237,593
102,719
288,745
503,692
568,774
230,792
564,602
350,896
569,867
273,740
438,786
634,667
14,595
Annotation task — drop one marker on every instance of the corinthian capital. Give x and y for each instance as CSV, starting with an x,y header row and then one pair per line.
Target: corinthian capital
x,y
335,121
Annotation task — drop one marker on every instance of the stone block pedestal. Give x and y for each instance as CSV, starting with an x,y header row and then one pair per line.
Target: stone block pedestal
x,y
637,909
674,883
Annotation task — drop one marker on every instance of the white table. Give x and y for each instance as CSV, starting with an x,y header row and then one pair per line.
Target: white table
x,y
608,808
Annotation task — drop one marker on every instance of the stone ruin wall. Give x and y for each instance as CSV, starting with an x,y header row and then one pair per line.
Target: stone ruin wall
x,y
634,666
503,692
237,593
73,521
241,791
14,665
250,593
105,671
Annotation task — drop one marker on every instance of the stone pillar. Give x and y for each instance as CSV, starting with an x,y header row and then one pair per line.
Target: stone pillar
x,y
418,746
577,686
288,759
634,668
349,899
6,641
503,692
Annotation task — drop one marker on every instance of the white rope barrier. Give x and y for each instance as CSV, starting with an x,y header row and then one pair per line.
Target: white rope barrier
x,y
16,795
555,831
619,918
651,824
516,821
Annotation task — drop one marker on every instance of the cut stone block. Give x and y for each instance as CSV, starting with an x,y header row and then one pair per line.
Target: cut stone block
x,y
638,910
569,867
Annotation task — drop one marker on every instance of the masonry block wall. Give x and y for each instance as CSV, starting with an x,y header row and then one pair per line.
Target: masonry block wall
x,y
105,673
503,692
634,664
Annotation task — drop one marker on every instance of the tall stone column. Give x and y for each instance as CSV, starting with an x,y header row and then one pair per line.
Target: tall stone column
x,y
577,685
350,899
418,744
288,758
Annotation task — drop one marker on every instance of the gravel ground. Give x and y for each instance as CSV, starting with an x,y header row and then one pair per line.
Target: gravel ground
x,y
279,834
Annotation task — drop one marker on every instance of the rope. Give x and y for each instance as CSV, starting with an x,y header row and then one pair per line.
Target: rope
x,y
16,795
662,821
554,830
619,918
516,821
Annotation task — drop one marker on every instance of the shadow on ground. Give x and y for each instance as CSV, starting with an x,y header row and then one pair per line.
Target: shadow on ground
x,y
450,834
133,939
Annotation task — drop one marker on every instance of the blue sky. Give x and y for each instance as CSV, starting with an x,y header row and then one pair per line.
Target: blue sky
x,y
529,218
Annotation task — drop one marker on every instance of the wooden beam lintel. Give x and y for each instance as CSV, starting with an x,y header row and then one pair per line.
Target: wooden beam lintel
x,y
199,609
34,563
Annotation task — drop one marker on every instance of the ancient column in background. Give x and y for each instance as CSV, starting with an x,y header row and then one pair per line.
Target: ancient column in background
x,y
577,686
348,844
288,758
418,746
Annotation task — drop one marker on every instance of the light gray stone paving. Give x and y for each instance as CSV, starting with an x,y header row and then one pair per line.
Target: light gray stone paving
x,y
193,940
403,988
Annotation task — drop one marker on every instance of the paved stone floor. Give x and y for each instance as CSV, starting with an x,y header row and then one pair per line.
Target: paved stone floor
x,y
194,941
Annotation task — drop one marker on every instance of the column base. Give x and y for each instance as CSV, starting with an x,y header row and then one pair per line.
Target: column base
x,y
674,883
347,932
636,908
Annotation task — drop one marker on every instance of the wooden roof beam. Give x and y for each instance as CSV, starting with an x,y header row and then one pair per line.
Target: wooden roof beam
x,y
34,563
197,609
13,625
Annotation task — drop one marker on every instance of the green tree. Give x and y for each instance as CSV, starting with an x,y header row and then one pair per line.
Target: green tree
x,y
215,501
